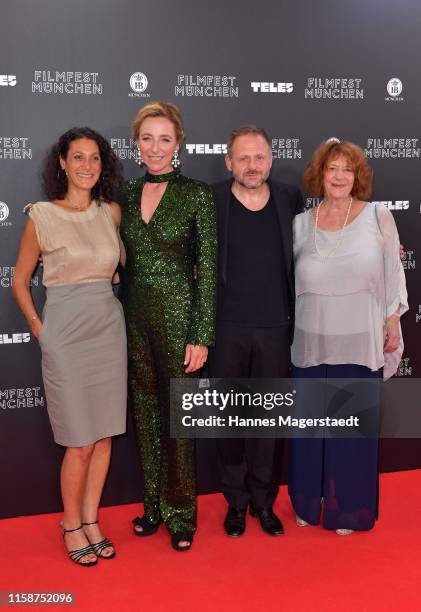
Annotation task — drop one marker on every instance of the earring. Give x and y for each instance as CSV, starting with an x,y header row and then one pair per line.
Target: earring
x,y
175,162
139,159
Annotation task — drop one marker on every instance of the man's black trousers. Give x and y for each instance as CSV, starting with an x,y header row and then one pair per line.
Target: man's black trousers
x,y
246,466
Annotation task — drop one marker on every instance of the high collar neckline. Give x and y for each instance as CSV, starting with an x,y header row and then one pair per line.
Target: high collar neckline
x,y
162,178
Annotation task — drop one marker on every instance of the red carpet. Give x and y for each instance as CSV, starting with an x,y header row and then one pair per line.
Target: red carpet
x,y
308,569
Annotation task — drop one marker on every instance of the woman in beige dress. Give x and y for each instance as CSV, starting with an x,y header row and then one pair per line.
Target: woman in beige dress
x,y
82,334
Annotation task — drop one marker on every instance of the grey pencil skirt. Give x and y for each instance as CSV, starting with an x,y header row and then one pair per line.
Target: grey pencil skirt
x,y
84,363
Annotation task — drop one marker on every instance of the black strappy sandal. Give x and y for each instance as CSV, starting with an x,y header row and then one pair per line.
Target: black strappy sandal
x,y
180,536
99,547
148,527
77,555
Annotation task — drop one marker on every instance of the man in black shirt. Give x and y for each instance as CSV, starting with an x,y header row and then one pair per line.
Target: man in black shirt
x,y
255,309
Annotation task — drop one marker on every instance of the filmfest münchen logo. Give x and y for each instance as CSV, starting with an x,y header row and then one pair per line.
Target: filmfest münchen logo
x,y
6,278
26,397
8,80
15,147
206,85
138,84
67,82
286,148
404,368
125,148
4,214
394,89
312,202
408,260
392,148
334,88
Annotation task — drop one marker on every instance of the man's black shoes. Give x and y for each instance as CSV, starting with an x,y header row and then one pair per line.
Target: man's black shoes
x,y
269,522
235,522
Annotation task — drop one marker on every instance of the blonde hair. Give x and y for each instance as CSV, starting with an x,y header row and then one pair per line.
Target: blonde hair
x,y
160,109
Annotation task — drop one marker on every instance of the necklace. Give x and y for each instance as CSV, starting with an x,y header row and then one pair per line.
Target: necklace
x,y
161,178
76,206
338,242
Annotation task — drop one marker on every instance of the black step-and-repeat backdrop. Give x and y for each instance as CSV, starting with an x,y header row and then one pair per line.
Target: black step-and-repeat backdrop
x,y
304,70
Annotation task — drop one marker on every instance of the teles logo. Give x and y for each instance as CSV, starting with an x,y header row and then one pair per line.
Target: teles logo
x,y
394,204
8,80
15,338
272,87
394,89
138,82
207,149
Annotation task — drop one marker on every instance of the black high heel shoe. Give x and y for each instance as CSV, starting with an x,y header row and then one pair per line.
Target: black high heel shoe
x,y
77,555
182,536
99,547
148,527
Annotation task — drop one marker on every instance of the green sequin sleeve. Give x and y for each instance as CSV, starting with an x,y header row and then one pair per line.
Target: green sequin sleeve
x,y
202,327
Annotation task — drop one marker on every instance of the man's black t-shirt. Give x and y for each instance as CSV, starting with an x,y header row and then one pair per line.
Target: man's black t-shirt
x,y
256,291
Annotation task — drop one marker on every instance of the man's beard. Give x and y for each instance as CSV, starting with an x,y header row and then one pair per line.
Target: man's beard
x,y
242,181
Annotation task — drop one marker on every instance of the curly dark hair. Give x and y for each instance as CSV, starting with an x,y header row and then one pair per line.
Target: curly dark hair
x,y
54,179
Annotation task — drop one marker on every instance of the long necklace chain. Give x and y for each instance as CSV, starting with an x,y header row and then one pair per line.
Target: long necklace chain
x,y
338,242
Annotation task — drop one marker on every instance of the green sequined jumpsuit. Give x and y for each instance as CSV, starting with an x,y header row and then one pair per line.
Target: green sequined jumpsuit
x,y
167,308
